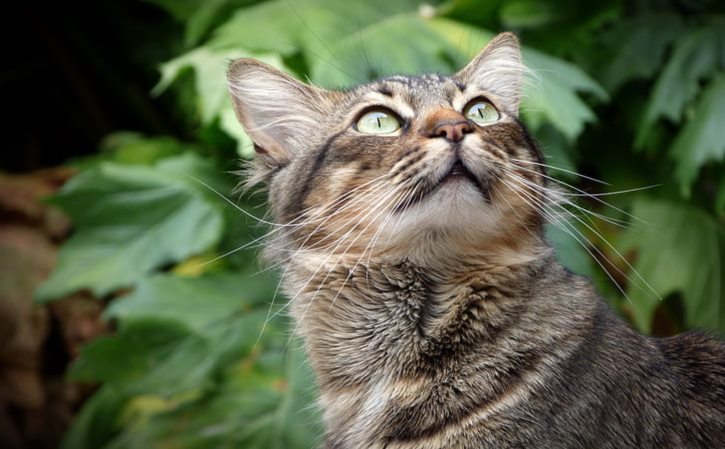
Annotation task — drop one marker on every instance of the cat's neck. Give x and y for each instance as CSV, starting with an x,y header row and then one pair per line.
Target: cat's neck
x,y
438,252
346,305
381,330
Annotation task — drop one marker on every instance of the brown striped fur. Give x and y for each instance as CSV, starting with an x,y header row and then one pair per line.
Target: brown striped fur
x,y
431,306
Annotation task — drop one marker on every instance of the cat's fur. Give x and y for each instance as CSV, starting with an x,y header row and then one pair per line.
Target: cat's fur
x,y
436,316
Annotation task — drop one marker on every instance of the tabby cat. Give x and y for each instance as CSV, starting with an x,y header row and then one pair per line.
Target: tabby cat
x,y
410,217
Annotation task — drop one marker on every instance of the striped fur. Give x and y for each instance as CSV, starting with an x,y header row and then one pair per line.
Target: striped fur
x,y
433,310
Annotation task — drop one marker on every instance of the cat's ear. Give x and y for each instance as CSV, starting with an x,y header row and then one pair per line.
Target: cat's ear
x,y
498,69
276,110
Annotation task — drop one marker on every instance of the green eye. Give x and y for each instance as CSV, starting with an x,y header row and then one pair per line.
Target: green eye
x,y
378,122
481,112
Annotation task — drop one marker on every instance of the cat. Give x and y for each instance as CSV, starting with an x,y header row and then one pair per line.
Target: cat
x,y
410,217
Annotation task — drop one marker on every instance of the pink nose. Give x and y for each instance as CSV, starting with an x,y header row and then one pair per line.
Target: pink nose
x,y
451,130
446,123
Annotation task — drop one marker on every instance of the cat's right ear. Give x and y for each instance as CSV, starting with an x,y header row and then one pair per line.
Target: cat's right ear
x,y
276,110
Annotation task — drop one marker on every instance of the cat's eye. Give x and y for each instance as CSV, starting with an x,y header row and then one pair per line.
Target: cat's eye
x,y
378,121
481,111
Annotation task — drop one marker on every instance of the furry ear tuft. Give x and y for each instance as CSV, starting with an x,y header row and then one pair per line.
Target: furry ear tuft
x,y
498,69
275,109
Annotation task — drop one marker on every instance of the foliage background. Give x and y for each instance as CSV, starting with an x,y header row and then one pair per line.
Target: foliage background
x,y
201,354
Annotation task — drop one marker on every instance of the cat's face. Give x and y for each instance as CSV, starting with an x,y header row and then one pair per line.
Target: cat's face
x,y
399,162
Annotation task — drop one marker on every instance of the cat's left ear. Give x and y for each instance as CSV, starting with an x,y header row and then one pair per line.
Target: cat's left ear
x,y
498,69
277,111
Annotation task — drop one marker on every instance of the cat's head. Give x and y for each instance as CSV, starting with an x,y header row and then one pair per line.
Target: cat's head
x,y
403,165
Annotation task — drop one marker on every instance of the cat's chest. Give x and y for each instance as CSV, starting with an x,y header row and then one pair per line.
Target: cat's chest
x,y
397,320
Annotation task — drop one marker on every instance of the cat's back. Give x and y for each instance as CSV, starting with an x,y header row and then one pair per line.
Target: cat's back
x,y
625,390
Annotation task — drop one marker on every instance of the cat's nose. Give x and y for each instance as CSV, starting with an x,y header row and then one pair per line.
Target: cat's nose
x,y
453,131
447,124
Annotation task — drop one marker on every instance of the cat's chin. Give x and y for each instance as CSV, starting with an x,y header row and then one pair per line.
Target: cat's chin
x,y
457,207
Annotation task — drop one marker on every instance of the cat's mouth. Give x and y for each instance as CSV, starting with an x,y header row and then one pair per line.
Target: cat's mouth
x,y
457,173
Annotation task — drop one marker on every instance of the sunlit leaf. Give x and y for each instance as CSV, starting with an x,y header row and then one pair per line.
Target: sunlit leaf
x,y
553,96
130,220
210,68
367,54
285,27
210,72
196,302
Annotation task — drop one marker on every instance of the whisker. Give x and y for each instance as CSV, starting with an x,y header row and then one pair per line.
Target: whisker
x,y
352,270
618,254
330,253
561,169
318,246
550,214
260,220
556,197
582,192
295,223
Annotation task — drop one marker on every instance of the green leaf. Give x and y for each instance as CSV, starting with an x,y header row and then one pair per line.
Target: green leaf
x,y
199,16
720,199
483,14
194,354
701,139
189,323
129,355
347,45
129,221
527,13
210,66
367,54
137,149
554,99
210,71
696,55
209,14
263,404
569,251
196,303
643,39
558,152
682,250
99,418
132,148
284,27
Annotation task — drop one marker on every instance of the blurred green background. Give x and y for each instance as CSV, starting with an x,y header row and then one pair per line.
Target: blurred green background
x,y
123,325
